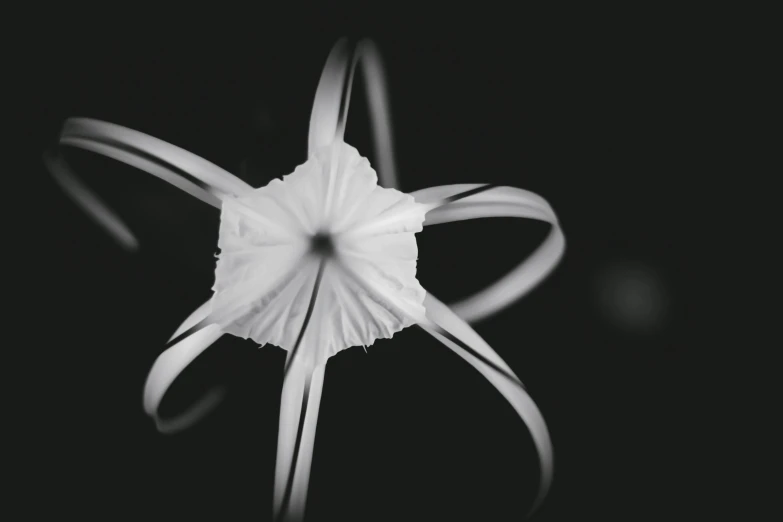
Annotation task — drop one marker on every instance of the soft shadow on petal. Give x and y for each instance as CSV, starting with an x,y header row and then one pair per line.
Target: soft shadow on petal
x,y
498,202
165,370
454,333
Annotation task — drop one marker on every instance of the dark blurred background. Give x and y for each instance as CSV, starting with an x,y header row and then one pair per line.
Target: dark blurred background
x,y
598,117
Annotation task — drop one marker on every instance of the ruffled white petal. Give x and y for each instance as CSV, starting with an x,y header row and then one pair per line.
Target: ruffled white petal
x,y
332,99
267,276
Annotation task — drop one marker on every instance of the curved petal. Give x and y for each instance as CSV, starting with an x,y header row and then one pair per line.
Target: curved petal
x,y
198,315
448,328
149,165
299,405
333,96
89,202
216,179
497,202
165,370
196,176
327,104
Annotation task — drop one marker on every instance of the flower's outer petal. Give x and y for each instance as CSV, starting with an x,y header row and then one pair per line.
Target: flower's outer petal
x,y
148,165
443,199
165,370
333,96
89,202
329,97
198,315
447,327
299,404
498,202
215,178
184,170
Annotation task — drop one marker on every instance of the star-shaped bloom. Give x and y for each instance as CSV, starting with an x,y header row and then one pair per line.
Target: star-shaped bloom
x,y
327,245
322,260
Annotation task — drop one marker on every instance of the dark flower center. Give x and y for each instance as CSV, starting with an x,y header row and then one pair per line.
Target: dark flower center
x,y
322,244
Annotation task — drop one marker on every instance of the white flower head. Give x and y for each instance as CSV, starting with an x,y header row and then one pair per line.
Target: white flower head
x,y
320,261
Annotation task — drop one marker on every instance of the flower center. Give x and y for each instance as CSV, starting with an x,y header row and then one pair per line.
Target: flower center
x,y
321,244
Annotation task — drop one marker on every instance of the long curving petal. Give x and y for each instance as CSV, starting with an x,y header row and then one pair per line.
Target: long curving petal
x,y
89,202
165,370
198,315
299,405
446,207
448,328
215,178
333,96
196,176
300,400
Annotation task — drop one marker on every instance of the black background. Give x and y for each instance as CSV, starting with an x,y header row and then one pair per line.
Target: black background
x,y
596,116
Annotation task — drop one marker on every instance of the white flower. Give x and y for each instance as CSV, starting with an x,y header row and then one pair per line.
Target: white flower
x,y
322,260
325,245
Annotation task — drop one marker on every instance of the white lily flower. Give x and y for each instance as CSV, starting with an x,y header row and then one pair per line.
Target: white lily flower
x,y
321,261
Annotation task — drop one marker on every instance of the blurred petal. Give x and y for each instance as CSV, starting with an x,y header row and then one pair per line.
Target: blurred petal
x,y
444,325
195,412
332,99
165,370
89,202
184,170
299,405
149,165
379,113
497,202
